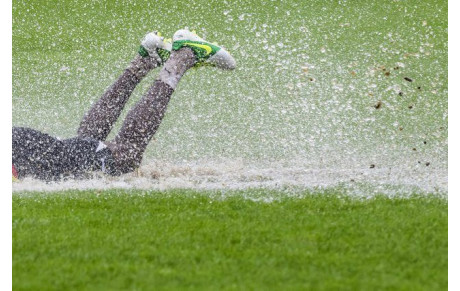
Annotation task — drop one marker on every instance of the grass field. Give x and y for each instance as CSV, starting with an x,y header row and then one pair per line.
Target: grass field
x,y
118,240
335,95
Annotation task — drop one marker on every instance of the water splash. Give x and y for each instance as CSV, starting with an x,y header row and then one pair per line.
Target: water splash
x,y
321,86
351,177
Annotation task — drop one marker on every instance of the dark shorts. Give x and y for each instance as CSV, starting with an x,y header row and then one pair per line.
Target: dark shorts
x,y
41,156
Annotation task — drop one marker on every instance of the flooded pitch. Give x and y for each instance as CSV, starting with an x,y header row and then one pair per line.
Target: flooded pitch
x,y
353,178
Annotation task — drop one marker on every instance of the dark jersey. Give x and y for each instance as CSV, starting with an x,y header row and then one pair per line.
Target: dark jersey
x,y
41,156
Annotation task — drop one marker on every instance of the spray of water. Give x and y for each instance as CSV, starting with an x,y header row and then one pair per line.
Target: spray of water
x,y
326,93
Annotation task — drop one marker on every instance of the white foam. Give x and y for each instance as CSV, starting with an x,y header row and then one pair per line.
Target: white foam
x,y
235,174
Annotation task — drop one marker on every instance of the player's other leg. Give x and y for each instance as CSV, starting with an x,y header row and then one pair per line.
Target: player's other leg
x,y
99,120
144,119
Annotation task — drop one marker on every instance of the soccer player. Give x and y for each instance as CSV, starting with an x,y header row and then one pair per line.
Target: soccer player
x,y
41,156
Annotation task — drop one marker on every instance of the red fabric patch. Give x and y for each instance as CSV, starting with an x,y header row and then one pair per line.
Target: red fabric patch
x,y
15,173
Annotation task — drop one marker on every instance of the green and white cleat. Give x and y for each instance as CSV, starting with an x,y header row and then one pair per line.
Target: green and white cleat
x,y
206,53
155,46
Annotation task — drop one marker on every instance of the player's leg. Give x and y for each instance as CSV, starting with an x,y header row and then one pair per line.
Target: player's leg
x,y
145,117
99,120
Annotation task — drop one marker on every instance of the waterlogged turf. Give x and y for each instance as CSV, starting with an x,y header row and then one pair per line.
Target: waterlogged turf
x,y
258,239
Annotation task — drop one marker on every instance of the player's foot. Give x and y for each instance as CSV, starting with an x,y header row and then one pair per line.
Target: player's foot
x,y
206,53
155,46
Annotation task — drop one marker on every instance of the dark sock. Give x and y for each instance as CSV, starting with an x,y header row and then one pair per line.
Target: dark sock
x,y
100,119
145,117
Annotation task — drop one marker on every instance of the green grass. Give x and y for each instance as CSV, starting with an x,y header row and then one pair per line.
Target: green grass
x,y
135,240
